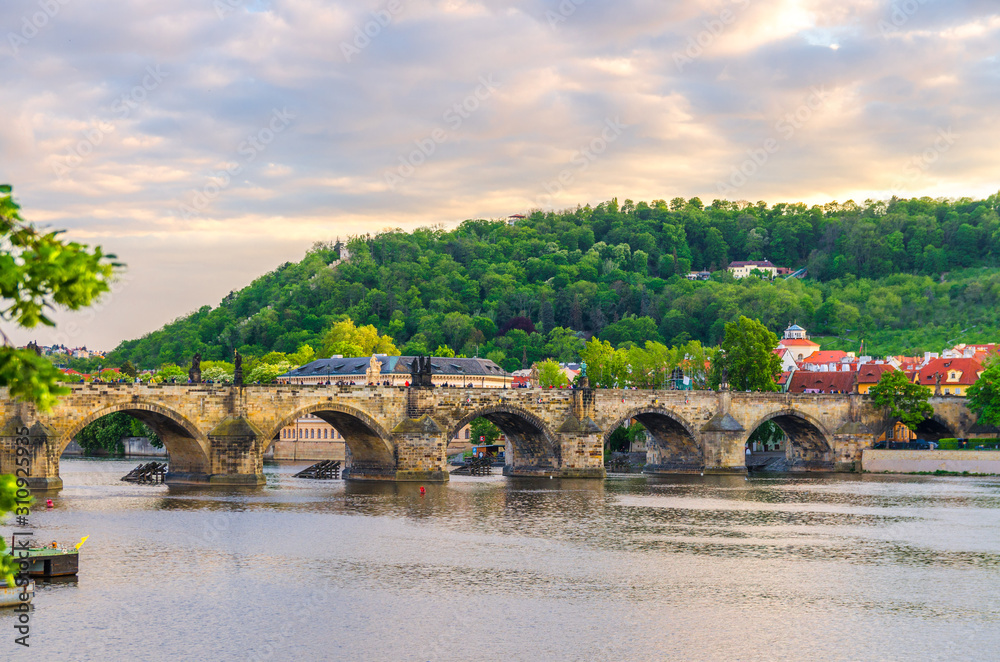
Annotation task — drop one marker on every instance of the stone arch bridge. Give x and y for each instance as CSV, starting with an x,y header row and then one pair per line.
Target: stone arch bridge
x,y
218,434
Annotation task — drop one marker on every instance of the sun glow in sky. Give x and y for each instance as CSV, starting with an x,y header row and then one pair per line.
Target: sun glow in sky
x,y
207,141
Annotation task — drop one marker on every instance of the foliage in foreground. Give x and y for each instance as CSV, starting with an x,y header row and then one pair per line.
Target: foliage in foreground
x,y
38,273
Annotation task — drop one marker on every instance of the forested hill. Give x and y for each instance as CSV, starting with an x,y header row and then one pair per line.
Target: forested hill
x,y
905,275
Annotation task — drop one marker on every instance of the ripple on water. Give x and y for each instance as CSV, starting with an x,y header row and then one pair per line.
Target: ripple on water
x,y
692,567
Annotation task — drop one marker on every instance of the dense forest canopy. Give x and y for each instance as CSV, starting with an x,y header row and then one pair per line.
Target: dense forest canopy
x,y
905,275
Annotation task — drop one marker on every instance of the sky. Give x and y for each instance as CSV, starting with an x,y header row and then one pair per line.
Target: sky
x,y
205,142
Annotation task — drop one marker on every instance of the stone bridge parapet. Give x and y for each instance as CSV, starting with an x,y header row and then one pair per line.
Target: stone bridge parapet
x,y
218,434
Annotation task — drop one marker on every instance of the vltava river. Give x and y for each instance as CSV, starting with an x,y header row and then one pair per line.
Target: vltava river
x,y
690,568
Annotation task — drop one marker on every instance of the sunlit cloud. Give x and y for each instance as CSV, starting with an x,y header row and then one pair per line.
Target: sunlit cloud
x,y
376,91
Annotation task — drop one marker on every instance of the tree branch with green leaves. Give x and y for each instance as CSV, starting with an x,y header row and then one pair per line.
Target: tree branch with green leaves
x,y
900,400
39,273
983,397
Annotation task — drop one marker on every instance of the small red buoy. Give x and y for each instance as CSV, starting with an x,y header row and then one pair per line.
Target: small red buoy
x,y
48,503
422,490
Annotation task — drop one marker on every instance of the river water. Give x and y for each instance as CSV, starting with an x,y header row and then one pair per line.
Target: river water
x,y
630,568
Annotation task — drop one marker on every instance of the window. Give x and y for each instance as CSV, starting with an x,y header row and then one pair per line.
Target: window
x,y
300,433
947,391
468,432
325,432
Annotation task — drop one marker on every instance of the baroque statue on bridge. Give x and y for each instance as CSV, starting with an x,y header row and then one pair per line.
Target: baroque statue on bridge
x,y
237,369
420,372
194,374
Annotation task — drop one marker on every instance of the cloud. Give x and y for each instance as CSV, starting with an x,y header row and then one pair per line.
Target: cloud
x,y
96,143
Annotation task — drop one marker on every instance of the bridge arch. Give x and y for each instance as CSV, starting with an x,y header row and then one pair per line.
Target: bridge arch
x,y
370,451
808,445
188,446
934,428
532,446
672,447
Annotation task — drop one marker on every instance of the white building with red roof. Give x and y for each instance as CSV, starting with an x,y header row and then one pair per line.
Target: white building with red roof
x,y
797,341
830,360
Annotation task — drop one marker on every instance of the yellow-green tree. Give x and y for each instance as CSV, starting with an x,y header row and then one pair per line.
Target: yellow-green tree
x,y
348,340
607,367
550,375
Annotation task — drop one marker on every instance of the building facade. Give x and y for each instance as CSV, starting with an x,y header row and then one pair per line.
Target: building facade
x,y
311,438
745,268
395,371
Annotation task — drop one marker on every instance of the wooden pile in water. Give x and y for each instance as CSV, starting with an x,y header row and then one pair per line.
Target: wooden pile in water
x,y
476,466
325,470
620,465
152,472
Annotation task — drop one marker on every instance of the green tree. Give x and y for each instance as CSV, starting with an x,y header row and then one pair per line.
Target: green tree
x,y
631,329
482,431
217,371
169,371
550,375
983,397
348,340
622,437
900,400
767,432
107,433
606,366
747,355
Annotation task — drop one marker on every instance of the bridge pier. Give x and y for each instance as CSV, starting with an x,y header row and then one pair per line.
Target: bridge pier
x,y
722,439
848,442
236,455
421,451
25,449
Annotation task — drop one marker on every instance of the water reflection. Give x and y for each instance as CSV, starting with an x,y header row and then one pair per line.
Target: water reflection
x,y
856,567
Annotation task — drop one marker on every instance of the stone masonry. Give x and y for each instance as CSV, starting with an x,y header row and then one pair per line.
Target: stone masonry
x,y
219,434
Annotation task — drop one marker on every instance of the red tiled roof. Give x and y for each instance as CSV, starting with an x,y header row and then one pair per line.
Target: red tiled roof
x,y
870,373
797,342
822,382
909,362
968,367
826,356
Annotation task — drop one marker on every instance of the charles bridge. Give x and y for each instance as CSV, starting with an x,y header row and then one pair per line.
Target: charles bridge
x,y
218,434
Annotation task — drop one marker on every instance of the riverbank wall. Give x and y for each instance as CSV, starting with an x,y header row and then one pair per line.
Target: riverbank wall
x,y
909,462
